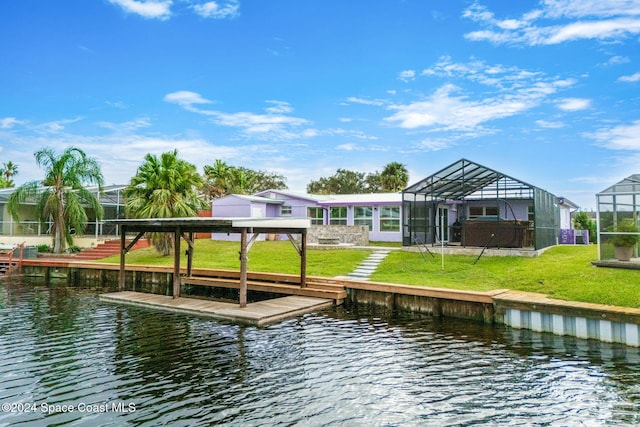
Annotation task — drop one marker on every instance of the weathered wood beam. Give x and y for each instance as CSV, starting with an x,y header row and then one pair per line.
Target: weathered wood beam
x,y
303,260
176,262
123,251
190,243
243,268
130,245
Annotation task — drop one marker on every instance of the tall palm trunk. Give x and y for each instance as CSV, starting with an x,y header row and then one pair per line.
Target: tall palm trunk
x,y
59,237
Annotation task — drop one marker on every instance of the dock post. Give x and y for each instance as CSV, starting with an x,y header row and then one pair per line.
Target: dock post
x,y
121,273
303,260
176,263
243,268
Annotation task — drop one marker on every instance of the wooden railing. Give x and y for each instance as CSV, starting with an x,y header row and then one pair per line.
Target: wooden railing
x,y
8,261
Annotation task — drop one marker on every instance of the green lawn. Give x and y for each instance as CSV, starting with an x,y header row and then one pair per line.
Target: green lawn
x,y
563,272
267,256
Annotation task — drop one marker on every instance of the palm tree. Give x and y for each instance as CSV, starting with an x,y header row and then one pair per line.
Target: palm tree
x,y
164,187
394,177
7,171
217,179
61,196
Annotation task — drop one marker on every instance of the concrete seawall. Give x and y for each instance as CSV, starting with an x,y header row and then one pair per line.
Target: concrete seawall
x,y
523,310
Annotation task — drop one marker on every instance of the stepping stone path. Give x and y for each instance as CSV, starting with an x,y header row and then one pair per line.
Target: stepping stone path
x,y
368,266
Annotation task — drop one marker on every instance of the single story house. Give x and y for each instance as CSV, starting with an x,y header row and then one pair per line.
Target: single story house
x,y
380,213
464,204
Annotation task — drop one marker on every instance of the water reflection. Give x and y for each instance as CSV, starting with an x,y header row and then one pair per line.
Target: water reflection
x,y
347,366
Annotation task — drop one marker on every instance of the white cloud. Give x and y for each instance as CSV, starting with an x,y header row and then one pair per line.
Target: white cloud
x,y
456,112
559,21
590,8
606,29
434,144
549,125
622,137
451,107
9,122
630,79
616,60
356,100
185,98
499,76
55,126
275,125
127,126
160,9
353,134
574,104
407,75
279,107
217,9
348,147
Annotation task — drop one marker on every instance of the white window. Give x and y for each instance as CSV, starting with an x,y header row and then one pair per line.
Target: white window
x,y
390,218
478,211
338,216
363,215
316,215
285,210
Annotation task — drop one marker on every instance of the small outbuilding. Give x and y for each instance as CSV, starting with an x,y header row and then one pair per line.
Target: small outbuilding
x,y
469,204
618,214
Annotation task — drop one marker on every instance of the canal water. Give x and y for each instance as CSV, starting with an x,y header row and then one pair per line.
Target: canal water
x,y
68,359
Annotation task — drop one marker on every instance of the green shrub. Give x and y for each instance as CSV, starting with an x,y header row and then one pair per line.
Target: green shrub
x,y
627,225
43,248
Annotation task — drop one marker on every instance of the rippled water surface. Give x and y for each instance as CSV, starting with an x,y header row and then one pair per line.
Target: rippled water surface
x,y
117,365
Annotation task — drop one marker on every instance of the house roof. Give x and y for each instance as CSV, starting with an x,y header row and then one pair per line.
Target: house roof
x,y
200,224
362,199
339,199
629,185
465,179
110,194
254,199
290,194
563,201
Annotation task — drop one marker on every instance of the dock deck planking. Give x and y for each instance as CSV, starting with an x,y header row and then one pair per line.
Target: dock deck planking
x,y
258,313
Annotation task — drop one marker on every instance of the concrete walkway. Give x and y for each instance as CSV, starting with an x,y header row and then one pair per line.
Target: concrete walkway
x,y
368,266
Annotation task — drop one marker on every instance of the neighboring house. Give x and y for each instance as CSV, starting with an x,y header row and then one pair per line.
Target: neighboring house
x,y
568,235
33,232
381,213
567,209
110,199
472,205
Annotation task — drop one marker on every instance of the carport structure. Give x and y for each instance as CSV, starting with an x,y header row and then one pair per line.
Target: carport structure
x,y
184,228
474,205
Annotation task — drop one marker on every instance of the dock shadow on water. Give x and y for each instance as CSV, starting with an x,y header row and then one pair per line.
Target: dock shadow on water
x,y
66,358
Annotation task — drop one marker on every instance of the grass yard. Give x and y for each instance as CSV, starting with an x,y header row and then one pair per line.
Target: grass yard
x,y
563,272
267,256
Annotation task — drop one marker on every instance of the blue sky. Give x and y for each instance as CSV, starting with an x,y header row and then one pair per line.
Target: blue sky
x,y
545,91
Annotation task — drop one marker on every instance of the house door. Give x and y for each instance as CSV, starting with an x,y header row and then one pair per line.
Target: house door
x,y
442,224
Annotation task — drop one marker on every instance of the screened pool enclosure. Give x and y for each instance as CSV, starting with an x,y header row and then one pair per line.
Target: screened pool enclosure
x,y
618,205
468,204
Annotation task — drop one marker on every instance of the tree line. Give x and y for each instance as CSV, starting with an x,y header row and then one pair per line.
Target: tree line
x,y
164,186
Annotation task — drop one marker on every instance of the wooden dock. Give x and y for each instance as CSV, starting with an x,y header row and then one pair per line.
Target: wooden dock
x,y
275,284
258,313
